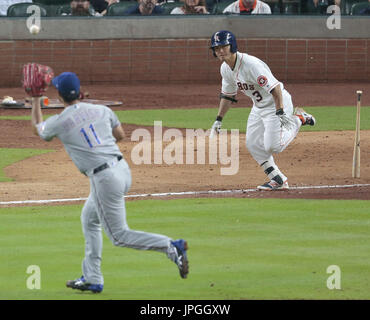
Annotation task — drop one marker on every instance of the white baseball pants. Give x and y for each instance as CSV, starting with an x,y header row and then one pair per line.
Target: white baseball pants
x,y
105,207
265,136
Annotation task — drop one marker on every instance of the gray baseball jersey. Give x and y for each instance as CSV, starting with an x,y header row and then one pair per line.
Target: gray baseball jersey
x,y
86,132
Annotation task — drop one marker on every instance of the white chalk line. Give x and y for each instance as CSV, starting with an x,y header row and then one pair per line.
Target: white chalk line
x,y
191,193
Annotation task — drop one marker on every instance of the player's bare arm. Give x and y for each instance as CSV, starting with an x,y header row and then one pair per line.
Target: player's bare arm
x,y
118,133
278,97
225,104
36,114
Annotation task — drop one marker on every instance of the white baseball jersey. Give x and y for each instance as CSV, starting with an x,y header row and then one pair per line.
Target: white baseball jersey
x,y
261,8
180,10
251,76
177,10
5,4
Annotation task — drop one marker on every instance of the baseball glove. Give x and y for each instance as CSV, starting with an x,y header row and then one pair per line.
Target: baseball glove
x,y
36,79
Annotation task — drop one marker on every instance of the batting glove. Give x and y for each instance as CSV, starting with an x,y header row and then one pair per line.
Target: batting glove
x,y
285,121
216,127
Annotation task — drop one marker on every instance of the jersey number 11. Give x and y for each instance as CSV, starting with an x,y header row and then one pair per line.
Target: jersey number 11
x,y
88,136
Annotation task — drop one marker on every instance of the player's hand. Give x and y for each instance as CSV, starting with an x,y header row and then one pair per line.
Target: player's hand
x,y
201,9
216,127
284,119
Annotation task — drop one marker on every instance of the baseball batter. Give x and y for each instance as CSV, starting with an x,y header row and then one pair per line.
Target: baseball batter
x,y
271,125
89,134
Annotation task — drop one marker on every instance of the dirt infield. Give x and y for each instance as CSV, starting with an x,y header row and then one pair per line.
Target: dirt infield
x,y
313,159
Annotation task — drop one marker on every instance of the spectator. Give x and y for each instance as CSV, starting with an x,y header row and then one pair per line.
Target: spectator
x,y
248,7
320,6
313,7
366,11
5,4
100,6
337,3
145,8
192,7
82,8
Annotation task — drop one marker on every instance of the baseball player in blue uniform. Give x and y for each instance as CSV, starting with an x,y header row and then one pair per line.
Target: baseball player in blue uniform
x,y
89,134
271,125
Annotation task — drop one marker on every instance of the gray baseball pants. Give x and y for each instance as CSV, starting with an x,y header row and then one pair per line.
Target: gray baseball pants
x,y
105,207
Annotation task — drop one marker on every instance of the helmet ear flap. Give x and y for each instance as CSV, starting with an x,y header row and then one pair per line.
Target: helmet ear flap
x,y
233,48
233,44
214,53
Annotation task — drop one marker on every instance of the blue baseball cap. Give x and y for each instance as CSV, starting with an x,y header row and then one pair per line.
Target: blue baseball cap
x,y
68,85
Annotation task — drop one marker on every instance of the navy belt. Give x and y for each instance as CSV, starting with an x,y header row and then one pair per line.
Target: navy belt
x,y
104,166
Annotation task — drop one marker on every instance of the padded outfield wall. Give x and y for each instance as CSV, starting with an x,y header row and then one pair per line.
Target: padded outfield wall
x,y
168,49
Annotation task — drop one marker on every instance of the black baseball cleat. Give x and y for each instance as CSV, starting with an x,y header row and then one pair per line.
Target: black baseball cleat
x,y
274,185
81,284
180,246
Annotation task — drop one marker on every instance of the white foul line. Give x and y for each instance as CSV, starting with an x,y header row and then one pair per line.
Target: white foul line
x,y
191,193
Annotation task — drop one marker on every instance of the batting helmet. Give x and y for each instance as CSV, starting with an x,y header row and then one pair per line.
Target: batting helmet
x,y
68,86
223,38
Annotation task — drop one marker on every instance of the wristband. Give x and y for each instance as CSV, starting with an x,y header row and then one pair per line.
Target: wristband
x,y
279,112
232,99
219,118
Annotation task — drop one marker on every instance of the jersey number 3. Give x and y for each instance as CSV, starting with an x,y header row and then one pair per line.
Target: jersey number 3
x,y
87,135
244,86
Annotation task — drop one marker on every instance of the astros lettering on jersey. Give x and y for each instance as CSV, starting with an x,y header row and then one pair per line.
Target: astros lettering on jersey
x,y
252,77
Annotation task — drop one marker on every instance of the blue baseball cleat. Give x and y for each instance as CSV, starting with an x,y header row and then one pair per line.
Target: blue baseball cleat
x,y
82,285
181,259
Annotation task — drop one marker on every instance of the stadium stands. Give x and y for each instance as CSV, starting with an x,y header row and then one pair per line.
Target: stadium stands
x,y
118,9
52,2
20,10
52,8
63,10
219,7
169,6
358,7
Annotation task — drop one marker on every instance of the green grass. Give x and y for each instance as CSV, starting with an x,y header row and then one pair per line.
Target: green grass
x,y
328,118
239,249
22,117
9,156
15,117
